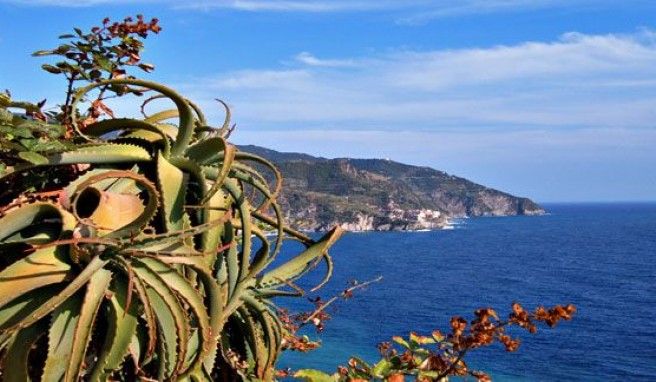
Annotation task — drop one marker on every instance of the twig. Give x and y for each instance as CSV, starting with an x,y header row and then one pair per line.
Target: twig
x,y
335,298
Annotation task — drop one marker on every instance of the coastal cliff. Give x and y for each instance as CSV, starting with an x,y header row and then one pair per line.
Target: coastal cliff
x,y
381,195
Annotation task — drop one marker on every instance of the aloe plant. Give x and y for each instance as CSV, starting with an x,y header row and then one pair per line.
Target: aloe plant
x,y
136,249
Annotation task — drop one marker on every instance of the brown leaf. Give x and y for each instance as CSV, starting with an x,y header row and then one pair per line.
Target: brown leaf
x,y
146,67
98,104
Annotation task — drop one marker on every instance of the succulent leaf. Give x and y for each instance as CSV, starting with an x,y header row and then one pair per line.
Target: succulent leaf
x,y
78,282
65,320
193,299
41,268
121,328
101,154
93,297
301,264
21,307
22,217
172,183
131,127
171,317
17,357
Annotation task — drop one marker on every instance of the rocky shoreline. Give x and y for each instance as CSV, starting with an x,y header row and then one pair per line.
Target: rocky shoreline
x,y
398,220
393,218
366,195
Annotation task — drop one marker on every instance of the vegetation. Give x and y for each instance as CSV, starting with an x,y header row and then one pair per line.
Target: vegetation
x,y
320,193
131,246
438,356
134,248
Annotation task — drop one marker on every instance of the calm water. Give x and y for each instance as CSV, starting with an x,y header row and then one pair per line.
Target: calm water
x,y
600,257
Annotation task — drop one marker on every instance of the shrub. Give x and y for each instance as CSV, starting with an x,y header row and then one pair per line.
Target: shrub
x,y
132,247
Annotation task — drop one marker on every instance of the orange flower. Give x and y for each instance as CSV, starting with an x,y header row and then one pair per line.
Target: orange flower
x,y
480,376
396,378
458,325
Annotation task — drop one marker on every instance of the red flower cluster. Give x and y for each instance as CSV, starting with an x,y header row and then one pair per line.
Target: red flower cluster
x,y
129,26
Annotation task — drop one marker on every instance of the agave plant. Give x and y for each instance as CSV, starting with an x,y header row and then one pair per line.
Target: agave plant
x,y
134,248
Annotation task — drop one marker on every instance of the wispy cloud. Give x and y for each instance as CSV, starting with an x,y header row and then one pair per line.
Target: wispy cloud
x,y
431,10
295,5
314,6
573,55
309,59
418,10
577,80
406,11
79,3
577,97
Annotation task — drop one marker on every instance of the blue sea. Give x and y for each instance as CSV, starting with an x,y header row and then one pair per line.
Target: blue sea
x,y
599,257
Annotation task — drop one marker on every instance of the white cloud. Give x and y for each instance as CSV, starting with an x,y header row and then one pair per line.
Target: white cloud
x,y
576,81
314,6
407,11
454,7
295,6
311,60
574,55
578,107
79,3
419,10
261,79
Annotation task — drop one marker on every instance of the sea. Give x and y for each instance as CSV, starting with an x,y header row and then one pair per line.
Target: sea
x,y
599,257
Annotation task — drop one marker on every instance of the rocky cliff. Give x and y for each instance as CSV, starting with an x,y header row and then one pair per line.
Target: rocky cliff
x,y
378,194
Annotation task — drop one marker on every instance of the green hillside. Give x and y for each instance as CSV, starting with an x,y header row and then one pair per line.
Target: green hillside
x,y
385,193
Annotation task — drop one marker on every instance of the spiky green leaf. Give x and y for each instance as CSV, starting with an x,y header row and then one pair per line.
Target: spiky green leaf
x,y
16,359
94,296
65,320
314,376
120,332
192,298
78,282
302,263
41,268
171,317
172,184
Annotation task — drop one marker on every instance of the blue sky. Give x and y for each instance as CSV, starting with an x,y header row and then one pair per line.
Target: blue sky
x,y
551,99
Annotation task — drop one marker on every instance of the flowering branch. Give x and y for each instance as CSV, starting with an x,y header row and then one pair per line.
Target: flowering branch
x,y
438,356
